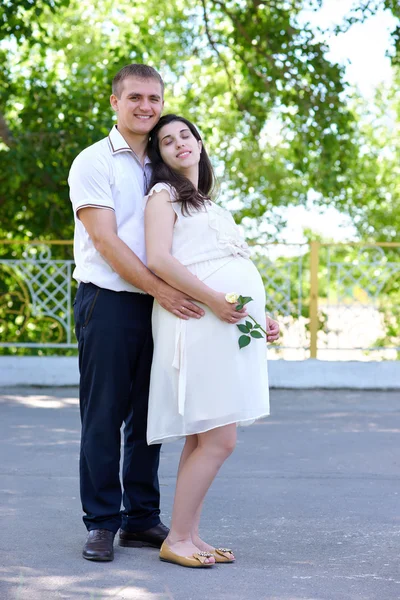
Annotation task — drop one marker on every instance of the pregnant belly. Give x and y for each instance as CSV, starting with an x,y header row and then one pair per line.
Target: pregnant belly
x,y
239,275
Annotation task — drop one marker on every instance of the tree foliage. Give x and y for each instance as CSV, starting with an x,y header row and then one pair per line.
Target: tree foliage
x,y
373,201
363,10
273,110
21,18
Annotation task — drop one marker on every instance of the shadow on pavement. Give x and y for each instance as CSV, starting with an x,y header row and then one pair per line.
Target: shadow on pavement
x,y
309,501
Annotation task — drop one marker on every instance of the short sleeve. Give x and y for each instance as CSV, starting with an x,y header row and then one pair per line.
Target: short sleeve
x,y
158,187
89,182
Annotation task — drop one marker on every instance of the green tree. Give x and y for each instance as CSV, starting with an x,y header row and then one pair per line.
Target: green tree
x,y
374,198
238,84
373,201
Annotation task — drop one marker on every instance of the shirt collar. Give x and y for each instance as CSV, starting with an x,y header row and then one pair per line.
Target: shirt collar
x,y
119,144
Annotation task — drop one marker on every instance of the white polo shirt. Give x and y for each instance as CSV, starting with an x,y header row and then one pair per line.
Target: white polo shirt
x,y
108,175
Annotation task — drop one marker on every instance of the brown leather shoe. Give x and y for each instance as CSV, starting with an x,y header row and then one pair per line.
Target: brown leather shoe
x,y
153,537
99,545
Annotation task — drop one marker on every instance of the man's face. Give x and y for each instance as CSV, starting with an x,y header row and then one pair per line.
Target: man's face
x,y
139,105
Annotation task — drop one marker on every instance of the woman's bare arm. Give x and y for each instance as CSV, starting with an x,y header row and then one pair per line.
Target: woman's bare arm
x,y
159,225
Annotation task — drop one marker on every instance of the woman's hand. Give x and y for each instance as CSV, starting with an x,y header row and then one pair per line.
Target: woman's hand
x,y
224,310
272,329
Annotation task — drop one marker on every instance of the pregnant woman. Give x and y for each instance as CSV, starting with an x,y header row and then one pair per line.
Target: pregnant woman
x,y
202,384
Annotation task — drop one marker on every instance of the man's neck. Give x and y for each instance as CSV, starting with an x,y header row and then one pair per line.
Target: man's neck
x,y
137,143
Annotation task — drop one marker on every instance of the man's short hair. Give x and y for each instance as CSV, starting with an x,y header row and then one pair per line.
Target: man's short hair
x,y
135,70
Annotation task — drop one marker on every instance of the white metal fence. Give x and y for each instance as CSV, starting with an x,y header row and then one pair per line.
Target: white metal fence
x,y
334,302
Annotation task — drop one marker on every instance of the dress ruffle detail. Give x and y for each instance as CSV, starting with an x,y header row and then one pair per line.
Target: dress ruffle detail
x,y
158,187
228,234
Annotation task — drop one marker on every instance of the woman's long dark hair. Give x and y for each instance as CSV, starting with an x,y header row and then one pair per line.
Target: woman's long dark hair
x,y
187,195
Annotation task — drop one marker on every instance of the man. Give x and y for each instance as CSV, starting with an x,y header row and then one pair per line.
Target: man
x,y
113,321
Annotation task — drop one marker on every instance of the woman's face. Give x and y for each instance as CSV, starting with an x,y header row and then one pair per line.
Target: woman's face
x,y
179,148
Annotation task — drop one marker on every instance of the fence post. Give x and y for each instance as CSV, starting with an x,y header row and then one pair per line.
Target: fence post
x,y
314,257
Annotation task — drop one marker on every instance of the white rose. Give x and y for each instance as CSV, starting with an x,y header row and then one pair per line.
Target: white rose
x,y
232,298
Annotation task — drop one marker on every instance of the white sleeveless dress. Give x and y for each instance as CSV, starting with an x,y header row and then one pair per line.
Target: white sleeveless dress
x,y
200,378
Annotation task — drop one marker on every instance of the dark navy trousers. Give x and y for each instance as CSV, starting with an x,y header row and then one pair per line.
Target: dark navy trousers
x,y
115,352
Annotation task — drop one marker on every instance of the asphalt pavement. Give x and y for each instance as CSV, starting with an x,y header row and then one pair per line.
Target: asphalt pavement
x,y
309,501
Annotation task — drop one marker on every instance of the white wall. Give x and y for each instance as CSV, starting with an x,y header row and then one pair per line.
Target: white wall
x,y
63,371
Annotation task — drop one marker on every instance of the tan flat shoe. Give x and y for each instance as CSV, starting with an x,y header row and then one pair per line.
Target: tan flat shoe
x,y
197,560
221,555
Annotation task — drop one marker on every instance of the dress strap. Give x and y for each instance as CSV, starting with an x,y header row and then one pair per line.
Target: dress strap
x,y
159,187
